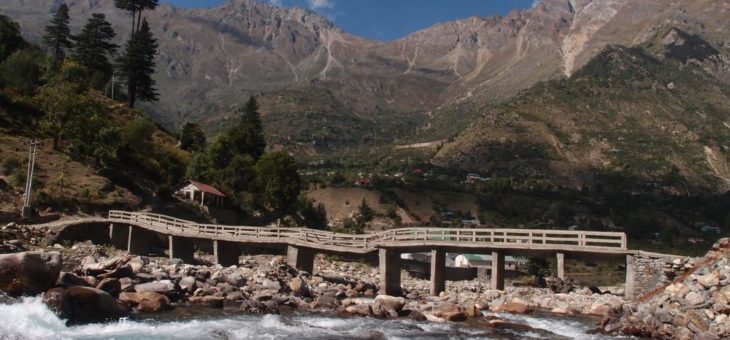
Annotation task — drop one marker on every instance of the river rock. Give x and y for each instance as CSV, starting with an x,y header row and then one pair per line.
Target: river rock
x,y
162,287
272,285
514,307
360,309
235,279
709,280
695,298
188,284
29,273
325,302
299,287
123,271
455,317
110,285
677,289
146,302
209,301
81,305
70,279
390,302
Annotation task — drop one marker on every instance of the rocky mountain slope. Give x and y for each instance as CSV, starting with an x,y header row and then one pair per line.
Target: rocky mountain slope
x,y
425,86
652,115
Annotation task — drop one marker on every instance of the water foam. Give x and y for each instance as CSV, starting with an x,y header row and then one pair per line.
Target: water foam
x,y
563,326
30,319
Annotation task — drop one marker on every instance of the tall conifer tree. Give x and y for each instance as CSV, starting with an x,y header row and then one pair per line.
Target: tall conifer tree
x,y
248,136
58,34
94,46
137,65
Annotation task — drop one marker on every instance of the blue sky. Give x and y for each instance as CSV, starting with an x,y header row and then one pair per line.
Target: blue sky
x,y
388,19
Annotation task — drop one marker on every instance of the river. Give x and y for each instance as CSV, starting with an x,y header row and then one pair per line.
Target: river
x,y
31,319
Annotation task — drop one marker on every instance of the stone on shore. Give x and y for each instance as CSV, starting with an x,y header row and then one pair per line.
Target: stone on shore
x,y
29,273
146,302
110,285
82,305
517,307
163,287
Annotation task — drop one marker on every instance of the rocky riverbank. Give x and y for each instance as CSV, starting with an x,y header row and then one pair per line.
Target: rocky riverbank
x,y
694,306
100,283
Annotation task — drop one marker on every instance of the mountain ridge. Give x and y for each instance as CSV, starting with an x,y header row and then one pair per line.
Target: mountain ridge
x,y
435,80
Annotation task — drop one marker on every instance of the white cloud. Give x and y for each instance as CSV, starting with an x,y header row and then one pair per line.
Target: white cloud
x,y
321,4
278,3
536,3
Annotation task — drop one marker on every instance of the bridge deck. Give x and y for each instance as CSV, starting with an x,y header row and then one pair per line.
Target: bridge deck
x,y
407,239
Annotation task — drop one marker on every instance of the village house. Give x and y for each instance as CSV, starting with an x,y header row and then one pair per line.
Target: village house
x,y
200,193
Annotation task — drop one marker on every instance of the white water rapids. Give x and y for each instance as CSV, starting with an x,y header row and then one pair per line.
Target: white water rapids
x,y
31,319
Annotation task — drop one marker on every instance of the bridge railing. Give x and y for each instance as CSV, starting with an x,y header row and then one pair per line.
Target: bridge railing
x,y
585,239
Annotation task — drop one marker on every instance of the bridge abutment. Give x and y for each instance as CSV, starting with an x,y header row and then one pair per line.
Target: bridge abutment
x,y
181,248
561,266
140,240
389,263
497,277
300,258
119,235
226,253
438,267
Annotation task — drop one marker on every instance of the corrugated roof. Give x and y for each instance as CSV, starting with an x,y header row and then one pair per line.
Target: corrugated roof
x,y
207,188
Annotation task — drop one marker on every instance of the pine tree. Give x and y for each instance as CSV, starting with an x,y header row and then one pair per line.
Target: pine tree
x,y
137,65
135,8
58,34
248,136
94,46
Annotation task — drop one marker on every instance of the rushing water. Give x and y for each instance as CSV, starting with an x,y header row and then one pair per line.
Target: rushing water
x,y
31,319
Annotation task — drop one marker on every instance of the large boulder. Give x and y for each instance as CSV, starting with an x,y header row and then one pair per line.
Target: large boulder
x,y
388,306
81,305
146,302
29,273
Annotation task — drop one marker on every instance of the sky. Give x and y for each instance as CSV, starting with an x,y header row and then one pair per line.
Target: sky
x,y
387,19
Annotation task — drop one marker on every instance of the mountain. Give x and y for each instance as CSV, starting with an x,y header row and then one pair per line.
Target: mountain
x,y
324,89
654,116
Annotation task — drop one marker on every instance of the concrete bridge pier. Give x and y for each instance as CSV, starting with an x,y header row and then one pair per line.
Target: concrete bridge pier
x,y
226,253
300,258
119,235
181,248
438,266
497,277
389,263
140,241
561,266
630,276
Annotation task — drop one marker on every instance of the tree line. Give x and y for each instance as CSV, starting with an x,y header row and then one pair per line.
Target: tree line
x,y
93,48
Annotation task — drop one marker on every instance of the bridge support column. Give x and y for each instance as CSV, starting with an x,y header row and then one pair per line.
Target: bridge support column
x,y
389,263
497,277
561,266
300,258
119,235
226,253
630,271
139,241
181,248
438,266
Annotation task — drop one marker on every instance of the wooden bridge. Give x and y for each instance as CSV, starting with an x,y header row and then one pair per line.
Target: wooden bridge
x,y
136,231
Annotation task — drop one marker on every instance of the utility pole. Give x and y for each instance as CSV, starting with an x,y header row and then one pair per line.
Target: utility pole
x,y
27,210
